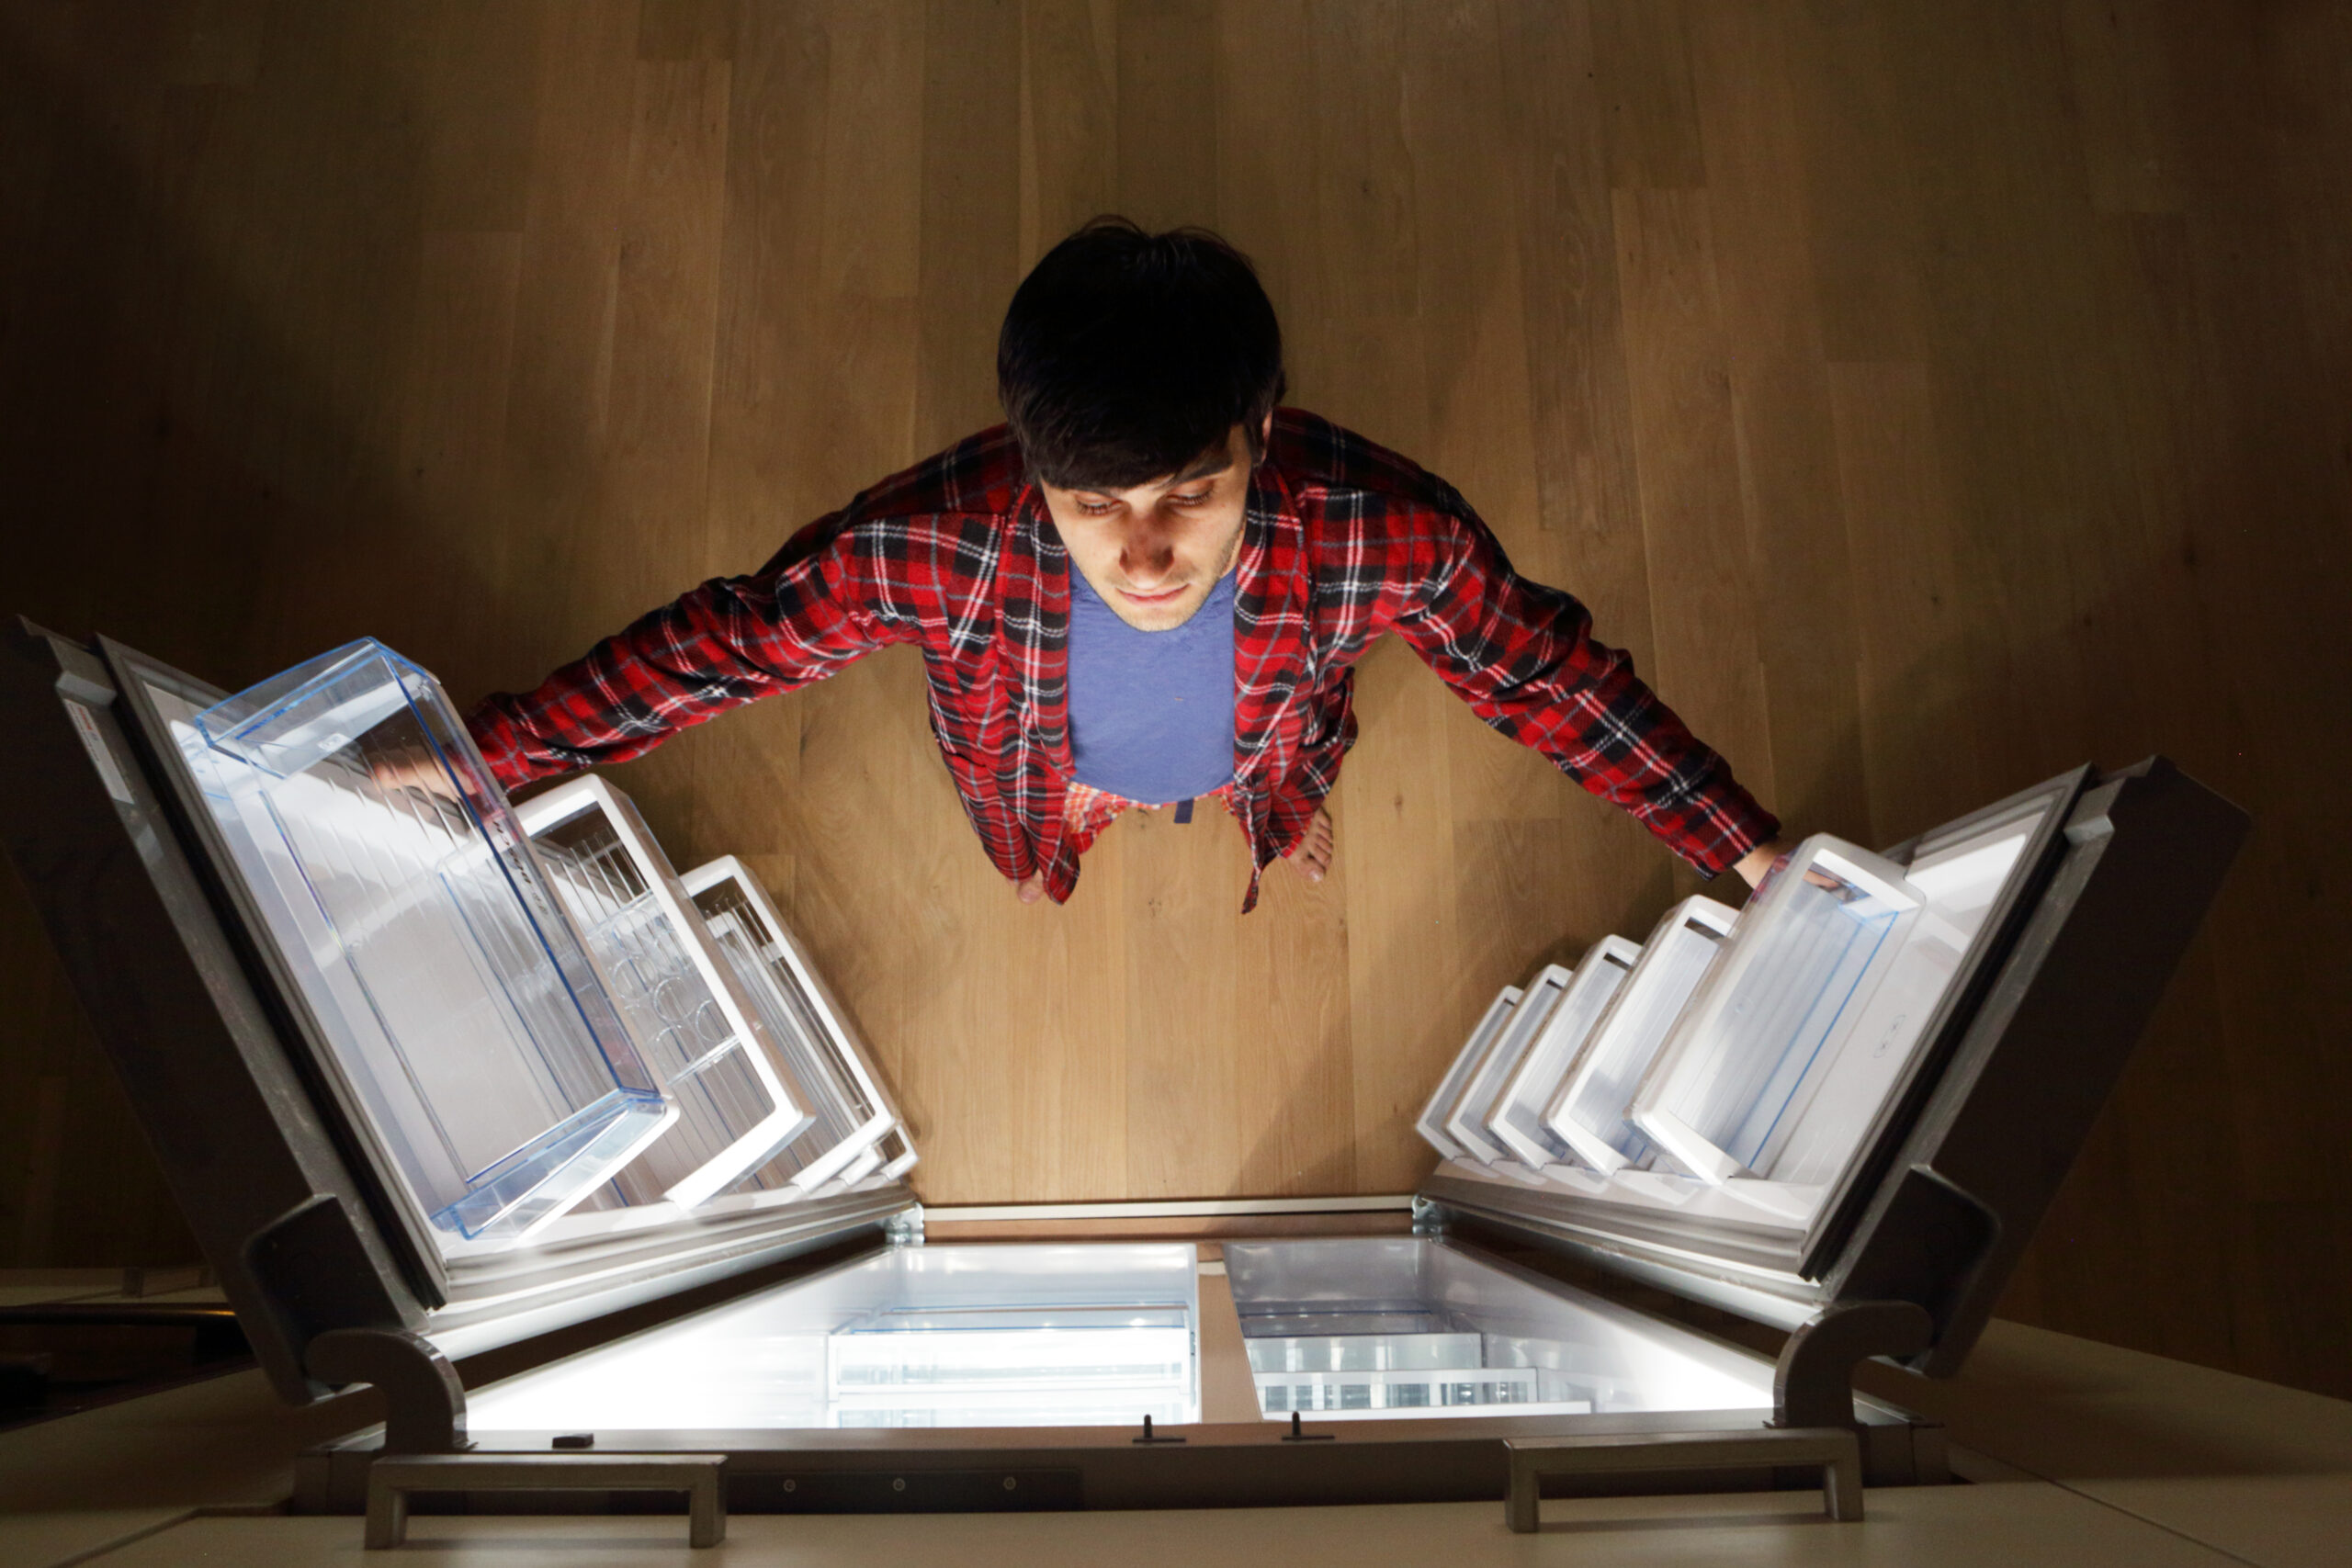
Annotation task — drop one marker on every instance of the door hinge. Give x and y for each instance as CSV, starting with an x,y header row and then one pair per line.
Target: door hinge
x,y
905,1227
424,1404
1813,1384
1430,1217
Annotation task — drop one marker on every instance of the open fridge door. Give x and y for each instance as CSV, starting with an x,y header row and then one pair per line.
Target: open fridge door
x,y
1869,1082
384,1069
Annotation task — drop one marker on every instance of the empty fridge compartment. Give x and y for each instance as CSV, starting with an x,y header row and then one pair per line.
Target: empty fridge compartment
x,y
941,1335
459,1015
1517,1119
1374,1327
856,1111
740,1097
1589,1113
1430,1124
1467,1121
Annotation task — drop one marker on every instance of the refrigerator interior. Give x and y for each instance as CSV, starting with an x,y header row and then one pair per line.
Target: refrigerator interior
x,y
1373,1327
937,1336
1738,1071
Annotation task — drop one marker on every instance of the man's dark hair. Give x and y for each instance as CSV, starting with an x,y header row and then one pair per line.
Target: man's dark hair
x,y
1127,356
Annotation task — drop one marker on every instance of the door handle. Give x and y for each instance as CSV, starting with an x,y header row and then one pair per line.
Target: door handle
x,y
1834,1449
391,1480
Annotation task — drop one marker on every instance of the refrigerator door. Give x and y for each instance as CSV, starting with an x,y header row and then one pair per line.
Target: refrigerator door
x,y
1884,1074
378,1070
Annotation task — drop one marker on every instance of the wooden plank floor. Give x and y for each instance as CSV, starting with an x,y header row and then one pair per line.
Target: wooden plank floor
x,y
1933,394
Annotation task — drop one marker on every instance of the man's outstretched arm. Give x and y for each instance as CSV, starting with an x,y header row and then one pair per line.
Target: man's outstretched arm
x,y
803,616
1524,657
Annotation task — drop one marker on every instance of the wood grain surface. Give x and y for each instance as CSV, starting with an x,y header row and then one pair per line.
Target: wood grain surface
x,y
1933,394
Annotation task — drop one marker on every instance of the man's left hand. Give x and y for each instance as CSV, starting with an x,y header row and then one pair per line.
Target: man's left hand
x,y
1758,860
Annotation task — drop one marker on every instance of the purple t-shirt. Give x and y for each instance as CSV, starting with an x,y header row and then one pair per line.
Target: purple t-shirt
x,y
1151,713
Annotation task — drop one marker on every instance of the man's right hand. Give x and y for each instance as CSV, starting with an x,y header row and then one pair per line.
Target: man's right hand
x,y
1029,888
408,769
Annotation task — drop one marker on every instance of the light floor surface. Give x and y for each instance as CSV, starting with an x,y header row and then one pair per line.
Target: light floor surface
x,y
2031,1524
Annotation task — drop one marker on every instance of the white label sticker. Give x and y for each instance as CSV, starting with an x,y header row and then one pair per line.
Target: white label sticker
x,y
95,744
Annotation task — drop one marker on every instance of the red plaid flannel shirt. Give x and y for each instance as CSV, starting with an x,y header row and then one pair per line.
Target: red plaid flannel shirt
x,y
1344,540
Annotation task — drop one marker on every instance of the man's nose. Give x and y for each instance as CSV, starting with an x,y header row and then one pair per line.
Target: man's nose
x,y
1146,556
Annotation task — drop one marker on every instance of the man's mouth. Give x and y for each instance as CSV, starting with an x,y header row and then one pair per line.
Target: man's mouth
x,y
1164,596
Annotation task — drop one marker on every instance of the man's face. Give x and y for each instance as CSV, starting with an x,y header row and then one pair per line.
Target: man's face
x,y
1154,552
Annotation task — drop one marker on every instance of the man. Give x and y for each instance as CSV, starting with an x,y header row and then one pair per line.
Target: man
x,y
1234,560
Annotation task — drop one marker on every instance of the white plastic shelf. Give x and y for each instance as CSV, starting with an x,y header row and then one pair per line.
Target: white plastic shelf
x,y
1430,1124
740,1096
1589,1113
1517,1119
1467,1121
856,1116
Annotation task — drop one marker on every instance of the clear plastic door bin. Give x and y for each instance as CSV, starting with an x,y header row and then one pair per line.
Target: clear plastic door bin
x,y
1785,1054
461,1016
1517,1121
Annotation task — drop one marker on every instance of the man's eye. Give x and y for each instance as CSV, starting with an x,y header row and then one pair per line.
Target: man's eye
x,y
1190,499
1098,508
